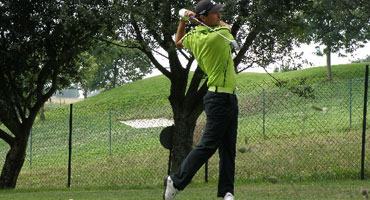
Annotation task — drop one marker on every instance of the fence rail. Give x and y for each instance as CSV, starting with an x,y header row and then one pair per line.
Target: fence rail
x,y
303,132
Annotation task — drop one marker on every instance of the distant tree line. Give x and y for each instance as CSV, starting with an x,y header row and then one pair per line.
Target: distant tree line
x,y
67,93
361,60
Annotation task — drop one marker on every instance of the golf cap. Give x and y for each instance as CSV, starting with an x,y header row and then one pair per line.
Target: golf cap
x,y
207,6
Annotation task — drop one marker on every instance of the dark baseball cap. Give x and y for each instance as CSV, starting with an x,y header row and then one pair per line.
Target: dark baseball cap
x,y
207,6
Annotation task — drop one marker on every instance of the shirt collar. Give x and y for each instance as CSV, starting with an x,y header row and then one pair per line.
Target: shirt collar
x,y
203,28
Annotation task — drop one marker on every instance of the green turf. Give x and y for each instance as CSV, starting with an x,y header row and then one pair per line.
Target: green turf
x,y
294,141
322,190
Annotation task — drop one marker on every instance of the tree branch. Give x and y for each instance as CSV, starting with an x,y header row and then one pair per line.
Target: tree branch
x,y
10,119
42,98
244,68
191,60
132,47
194,84
7,138
273,77
195,93
248,42
148,52
183,54
198,106
14,93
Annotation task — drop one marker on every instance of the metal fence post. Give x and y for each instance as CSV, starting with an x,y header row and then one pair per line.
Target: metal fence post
x,y
263,112
31,148
110,132
70,146
172,132
350,104
364,124
206,172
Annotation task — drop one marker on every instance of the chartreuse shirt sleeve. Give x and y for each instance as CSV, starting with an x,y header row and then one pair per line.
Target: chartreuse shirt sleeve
x,y
213,54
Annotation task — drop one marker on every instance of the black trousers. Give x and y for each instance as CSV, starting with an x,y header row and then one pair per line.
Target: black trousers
x,y
220,133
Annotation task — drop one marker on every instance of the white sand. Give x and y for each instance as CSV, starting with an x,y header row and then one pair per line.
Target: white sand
x,y
148,123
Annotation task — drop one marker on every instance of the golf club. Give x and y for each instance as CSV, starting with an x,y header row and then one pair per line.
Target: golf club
x,y
233,42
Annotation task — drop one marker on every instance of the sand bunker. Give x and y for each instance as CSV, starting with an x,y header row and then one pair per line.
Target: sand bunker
x,y
148,123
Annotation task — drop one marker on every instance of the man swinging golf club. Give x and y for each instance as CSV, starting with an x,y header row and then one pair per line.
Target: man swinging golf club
x,y
214,57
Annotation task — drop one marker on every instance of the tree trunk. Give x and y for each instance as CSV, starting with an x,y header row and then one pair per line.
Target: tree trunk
x,y
115,75
85,92
42,113
182,140
328,64
186,108
13,163
186,112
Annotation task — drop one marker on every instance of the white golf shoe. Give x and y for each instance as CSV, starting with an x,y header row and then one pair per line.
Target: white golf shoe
x,y
228,196
169,189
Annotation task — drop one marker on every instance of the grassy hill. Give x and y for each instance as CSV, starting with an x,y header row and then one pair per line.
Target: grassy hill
x,y
279,127
159,86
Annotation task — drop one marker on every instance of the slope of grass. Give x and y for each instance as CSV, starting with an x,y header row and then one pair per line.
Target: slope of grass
x,y
313,75
157,88
105,151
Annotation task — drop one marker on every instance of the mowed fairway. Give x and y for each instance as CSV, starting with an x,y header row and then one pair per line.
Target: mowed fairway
x,y
346,189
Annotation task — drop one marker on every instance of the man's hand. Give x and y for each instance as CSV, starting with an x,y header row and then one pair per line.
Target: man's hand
x,y
222,23
181,28
189,13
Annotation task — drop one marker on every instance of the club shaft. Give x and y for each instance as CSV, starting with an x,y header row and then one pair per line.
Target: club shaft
x,y
210,28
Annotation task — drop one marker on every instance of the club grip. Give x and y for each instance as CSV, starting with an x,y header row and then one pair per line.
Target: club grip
x,y
182,14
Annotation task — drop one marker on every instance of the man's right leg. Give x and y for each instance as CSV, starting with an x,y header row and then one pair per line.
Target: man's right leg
x,y
214,131
192,163
178,181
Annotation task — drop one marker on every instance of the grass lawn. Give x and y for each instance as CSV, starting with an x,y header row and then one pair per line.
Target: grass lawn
x,y
280,134
344,189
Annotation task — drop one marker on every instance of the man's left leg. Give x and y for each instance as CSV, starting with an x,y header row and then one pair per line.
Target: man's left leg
x,y
227,151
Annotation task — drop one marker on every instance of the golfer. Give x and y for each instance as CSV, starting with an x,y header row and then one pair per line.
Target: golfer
x,y
213,54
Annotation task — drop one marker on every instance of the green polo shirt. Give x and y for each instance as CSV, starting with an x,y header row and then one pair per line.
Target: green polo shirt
x,y
213,54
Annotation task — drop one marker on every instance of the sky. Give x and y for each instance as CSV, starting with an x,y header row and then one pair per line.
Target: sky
x,y
309,54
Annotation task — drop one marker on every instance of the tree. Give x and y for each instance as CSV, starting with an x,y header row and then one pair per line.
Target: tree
x,y
88,69
39,43
118,65
360,60
67,93
266,29
340,25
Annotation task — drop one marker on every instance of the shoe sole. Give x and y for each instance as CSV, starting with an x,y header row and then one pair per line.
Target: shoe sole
x,y
165,187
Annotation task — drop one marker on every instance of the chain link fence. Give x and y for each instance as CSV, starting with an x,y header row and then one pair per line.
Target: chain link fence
x,y
309,131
